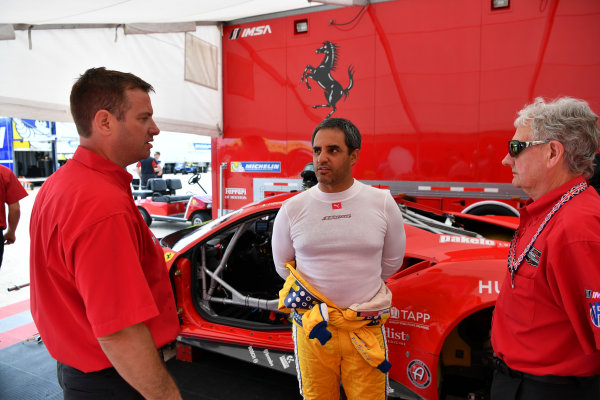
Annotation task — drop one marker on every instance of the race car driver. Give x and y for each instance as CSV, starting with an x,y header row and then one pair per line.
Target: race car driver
x,y
345,238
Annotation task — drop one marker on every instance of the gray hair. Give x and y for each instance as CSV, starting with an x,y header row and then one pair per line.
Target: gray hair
x,y
570,122
351,132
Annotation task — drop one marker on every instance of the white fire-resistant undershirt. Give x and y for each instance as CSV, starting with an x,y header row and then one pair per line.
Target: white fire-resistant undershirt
x,y
344,243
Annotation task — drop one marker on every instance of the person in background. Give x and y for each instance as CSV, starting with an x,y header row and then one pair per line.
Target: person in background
x,y
146,169
100,292
11,191
309,178
546,324
159,171
345,239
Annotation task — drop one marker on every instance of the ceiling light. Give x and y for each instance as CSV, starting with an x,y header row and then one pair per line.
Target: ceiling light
x,y
496,4
301,26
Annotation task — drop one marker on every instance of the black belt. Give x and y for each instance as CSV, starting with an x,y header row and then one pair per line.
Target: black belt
x,y
501,366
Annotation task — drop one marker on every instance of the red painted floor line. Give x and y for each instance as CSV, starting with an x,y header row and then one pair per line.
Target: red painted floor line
x,y
17,335
13,309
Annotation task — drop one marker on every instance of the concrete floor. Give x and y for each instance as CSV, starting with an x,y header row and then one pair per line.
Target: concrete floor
x,y
27,372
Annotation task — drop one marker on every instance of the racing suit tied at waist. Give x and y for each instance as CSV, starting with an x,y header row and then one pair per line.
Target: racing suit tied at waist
x,y
313,311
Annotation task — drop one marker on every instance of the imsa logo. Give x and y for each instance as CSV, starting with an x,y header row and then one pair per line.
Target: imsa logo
x,y
252,31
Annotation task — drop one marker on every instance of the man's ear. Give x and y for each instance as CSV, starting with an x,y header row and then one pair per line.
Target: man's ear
x,y
555,153
103,122
354,156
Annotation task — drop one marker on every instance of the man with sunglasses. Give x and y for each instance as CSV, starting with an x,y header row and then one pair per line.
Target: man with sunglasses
x,y
546,325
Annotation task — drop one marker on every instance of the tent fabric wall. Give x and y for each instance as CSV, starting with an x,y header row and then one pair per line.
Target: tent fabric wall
x,y
35,83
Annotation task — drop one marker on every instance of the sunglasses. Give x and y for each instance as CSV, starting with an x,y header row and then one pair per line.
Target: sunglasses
x,y
515,147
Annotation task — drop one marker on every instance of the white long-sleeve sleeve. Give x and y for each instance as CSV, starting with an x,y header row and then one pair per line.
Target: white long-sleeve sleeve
x,y
281,243
394,244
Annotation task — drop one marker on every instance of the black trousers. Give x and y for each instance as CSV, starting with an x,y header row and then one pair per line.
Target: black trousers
x,y
105,384
506,387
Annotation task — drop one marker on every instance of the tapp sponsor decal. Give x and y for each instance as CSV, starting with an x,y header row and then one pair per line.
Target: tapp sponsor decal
x,y
235,193
255,166
419,374
250,31
471,240
412,318
489,287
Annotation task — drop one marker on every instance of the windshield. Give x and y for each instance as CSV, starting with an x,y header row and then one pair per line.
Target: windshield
x,y
180,239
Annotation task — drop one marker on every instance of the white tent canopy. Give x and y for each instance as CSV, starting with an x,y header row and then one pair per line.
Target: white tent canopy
x,y
39,66
37,12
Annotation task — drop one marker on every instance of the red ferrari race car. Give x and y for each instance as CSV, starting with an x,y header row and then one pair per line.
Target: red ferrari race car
x,y
438,335
161,203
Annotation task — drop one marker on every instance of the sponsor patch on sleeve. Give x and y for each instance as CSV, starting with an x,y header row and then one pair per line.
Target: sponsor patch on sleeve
x,y
595,313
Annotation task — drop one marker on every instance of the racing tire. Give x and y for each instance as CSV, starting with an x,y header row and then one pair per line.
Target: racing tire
x,y
200,217
146,216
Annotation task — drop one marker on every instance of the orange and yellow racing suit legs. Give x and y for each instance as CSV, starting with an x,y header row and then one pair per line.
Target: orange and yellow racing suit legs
x,y
321,367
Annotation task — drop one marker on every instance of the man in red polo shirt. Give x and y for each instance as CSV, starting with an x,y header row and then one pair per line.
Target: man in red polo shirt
x,y
11,191
100,291
546,326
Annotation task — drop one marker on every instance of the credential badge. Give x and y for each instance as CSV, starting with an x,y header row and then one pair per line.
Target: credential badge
x,y
534,256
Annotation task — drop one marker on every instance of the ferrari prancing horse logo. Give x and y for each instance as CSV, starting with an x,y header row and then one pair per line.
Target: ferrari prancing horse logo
x,y
322,75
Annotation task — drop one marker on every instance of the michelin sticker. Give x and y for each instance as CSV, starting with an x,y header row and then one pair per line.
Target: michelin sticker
x,y
255,166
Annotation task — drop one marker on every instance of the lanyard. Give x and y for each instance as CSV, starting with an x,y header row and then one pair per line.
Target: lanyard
x,y
513,265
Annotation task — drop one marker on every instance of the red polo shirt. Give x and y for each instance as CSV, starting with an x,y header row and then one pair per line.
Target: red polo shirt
x,y
550,322
11,191
95,266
